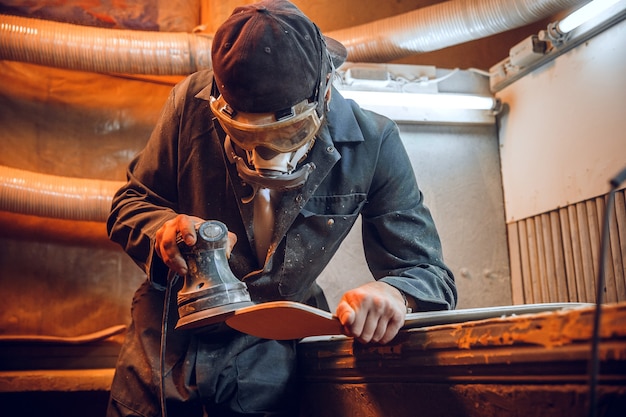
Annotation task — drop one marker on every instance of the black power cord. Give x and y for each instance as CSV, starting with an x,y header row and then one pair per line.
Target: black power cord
x,y
171,281
594,365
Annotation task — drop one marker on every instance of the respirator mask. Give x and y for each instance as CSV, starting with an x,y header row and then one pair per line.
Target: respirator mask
x,y
267,147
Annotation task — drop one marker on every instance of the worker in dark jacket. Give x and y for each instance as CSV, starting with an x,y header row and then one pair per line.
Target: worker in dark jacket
x,y
265,145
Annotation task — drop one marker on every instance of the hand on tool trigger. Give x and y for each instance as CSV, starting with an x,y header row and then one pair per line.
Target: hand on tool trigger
x,y
373,312
165,240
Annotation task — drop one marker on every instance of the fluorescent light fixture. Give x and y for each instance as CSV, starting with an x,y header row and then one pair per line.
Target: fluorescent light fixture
x,y
559,37
411,94
584,14
424,101
592,16
426,108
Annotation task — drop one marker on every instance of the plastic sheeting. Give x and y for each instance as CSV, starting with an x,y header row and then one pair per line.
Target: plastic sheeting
x,y
74,124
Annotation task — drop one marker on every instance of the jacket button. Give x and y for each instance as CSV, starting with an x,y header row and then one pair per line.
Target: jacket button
x,y
330,222
299,198
330,149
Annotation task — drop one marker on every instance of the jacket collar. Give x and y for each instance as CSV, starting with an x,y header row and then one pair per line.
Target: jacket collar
x,y
342,124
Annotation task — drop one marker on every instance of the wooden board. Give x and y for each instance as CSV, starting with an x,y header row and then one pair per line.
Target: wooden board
x,y
284,320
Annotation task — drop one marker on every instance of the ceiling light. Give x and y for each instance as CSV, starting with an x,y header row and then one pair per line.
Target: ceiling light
x,y
557,32
437,101
437,108
584,14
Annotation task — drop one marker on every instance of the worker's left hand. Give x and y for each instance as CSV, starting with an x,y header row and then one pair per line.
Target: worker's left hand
x,y
373,312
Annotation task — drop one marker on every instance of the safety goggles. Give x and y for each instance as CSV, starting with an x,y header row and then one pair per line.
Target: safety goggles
x,y
282,131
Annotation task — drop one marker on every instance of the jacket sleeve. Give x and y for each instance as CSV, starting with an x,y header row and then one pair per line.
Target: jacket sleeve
x,y
401,242
149,198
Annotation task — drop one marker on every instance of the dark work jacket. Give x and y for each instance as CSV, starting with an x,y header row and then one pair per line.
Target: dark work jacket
x,y
361,168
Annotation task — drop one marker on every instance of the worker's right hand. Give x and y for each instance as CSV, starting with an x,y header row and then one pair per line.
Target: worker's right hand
x,y
165,241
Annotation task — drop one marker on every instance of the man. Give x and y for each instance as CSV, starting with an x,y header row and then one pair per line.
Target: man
x,y
265,145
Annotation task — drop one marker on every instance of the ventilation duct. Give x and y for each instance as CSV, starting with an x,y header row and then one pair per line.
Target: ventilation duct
x,y
52,196
442,25
74,47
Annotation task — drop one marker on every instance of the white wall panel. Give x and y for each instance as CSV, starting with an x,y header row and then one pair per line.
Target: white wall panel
x,y
563,135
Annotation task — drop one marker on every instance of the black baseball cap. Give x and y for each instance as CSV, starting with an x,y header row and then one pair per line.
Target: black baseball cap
x,y
268,56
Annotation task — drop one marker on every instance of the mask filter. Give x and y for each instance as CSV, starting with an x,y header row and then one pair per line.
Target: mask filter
x,y
269,162
276,174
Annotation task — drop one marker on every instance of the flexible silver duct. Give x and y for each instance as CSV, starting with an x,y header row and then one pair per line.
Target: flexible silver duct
x,y
442,25
109,50
75,47
43,195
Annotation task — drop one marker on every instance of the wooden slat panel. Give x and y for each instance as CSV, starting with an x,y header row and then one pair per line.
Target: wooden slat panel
x,y
515,264
594,227
535,285
541,260
586,252
576,251
609,293
568,256
560,274
618,244
525,262
555,255
549,275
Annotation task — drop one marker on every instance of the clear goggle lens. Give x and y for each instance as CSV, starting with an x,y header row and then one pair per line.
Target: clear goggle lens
x,y
271,130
